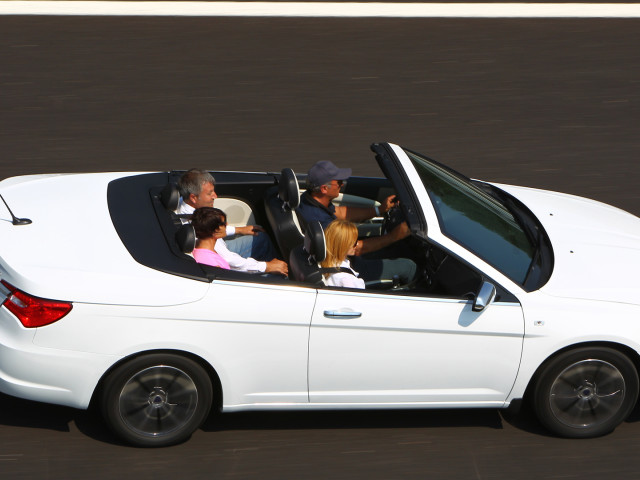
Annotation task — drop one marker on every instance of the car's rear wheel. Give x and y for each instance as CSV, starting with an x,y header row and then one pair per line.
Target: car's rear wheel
x,y
586,392
156,400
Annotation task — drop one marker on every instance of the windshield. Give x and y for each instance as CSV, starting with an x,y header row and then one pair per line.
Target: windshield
x,y
476,220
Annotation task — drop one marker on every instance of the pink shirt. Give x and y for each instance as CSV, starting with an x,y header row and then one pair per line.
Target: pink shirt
x,y
209,257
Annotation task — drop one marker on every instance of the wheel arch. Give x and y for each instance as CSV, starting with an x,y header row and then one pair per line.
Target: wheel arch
x,y
629,352
211,372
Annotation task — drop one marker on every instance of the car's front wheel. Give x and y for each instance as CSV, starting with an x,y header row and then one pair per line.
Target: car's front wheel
x,y
156,400
586,392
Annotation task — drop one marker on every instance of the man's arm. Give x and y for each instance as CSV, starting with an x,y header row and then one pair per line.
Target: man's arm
x,y
238,263
246,230
241,264
360,214
355,214
376,243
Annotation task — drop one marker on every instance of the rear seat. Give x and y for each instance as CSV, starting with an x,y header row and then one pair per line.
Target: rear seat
x,y
238,212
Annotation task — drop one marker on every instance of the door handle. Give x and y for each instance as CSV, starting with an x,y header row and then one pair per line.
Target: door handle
x,y
341,314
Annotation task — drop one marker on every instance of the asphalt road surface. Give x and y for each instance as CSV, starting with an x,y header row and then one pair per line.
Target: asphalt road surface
x,y
547,103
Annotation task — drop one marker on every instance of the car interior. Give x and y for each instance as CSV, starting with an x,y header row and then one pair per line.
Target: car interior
x,y
271,200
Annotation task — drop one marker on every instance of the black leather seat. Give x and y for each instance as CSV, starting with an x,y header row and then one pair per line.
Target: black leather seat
x,y
281,202
186,238
170,198
304,259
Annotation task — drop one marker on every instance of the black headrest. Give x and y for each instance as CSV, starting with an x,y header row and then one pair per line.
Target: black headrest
x,y
186,238
314,241
288,190
170,196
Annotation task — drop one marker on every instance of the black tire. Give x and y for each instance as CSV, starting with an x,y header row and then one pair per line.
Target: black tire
x,y
156,400
586,392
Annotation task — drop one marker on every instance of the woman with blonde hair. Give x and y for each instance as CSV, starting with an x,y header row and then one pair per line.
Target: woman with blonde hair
x,y
340,239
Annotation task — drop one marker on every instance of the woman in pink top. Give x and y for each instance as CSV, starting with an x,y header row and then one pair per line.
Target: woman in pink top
x,y
210,224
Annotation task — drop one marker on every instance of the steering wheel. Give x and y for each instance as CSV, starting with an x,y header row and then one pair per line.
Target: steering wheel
x,y
392,218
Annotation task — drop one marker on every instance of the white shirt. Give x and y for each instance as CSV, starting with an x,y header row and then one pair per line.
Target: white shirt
x,y
238,263
235,261
342,279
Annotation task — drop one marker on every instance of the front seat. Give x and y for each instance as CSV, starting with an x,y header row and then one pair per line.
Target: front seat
x,y
281,202
304,259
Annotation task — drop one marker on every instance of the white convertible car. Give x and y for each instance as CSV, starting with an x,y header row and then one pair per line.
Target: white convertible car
x,y
523,294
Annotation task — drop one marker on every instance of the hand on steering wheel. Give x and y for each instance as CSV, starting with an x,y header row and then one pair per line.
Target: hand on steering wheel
x,y
393,217
390,202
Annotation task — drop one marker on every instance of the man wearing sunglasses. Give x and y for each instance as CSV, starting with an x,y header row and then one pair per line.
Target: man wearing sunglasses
x,y
324,183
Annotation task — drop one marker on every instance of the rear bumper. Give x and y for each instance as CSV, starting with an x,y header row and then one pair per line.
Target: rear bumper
x,y
43,374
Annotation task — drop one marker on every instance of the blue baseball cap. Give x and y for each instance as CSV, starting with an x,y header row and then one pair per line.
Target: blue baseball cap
x,y
324,171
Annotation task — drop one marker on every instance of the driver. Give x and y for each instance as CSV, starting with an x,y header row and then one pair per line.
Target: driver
x,y
324,182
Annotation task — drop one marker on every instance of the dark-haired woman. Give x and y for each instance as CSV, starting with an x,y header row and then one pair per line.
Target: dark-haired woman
x,y
210,224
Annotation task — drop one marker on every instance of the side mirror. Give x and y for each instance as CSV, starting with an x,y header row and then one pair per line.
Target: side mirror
x,y
485,296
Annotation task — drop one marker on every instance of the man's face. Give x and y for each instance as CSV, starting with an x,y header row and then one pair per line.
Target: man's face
x,y
206,197
332,189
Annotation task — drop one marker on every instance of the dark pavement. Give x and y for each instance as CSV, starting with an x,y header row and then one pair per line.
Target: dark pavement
x,y
547,103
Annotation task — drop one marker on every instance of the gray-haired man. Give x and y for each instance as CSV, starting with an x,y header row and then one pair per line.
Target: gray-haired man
x,y
250,249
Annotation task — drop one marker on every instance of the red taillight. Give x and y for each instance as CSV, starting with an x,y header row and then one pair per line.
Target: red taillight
x,y
34,311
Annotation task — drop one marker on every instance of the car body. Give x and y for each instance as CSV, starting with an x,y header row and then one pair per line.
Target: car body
x,y
525,294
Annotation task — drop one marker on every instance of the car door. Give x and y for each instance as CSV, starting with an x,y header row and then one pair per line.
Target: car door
x,y
382,348
256,336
